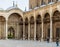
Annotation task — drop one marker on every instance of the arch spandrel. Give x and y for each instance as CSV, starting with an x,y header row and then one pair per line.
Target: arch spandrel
x,y
26,28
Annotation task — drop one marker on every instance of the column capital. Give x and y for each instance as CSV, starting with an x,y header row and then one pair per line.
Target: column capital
x,y
42,19
6,18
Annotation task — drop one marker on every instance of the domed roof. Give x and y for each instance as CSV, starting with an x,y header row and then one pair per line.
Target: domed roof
x,y
13,7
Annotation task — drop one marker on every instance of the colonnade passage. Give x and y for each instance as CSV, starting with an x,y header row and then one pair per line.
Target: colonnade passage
x,y
15,27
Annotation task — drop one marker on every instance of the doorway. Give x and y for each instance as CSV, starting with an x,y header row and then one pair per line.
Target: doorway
x,y
48,35
11,33
57,32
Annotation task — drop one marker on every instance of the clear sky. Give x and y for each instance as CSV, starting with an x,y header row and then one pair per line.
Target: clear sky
x,y
22,4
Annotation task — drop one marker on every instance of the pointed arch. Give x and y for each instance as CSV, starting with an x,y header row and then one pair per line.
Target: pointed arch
x,y
26,20
32,20
38,27
32,28
26,28
46,28
16,21
55,12
56,25
46,17
56,16
38,19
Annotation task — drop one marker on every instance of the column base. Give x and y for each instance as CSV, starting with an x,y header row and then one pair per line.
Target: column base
x,y
23,37
6,38
50,39
35,38
28,38
41,39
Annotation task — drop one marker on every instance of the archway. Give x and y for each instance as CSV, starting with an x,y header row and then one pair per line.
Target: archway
x,y
26,28
38,28
2,27
15,21
46,21
56,25
32,28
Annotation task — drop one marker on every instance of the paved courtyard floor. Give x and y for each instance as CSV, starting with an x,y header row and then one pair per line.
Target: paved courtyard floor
x,y
26,43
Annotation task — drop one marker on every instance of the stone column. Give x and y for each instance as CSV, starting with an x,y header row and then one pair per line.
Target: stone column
x,y
35,30
6,28
17,32
23,30
28,30
34,27
42,30
50,29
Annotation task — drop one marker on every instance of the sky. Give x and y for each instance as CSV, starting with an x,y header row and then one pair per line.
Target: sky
x,y
22,4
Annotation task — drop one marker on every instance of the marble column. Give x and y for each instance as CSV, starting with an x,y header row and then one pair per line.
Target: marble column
x,y
28,30
35,30
17,31
42,30
50,29
24,30
6,28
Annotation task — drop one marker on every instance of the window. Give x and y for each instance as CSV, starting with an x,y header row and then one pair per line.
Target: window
x,y
56,0
52,0
37,4
31,6
49,32
42,2
49,1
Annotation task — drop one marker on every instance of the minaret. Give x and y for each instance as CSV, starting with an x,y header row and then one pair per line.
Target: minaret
x,y
16,4
13,3
25,8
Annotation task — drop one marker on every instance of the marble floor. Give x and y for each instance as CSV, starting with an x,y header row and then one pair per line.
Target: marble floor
x,y
26,43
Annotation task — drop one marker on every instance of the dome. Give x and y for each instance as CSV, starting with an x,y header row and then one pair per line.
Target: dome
x,y
13,7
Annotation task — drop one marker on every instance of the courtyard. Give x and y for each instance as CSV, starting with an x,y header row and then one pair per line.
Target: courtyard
x,y
26,43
